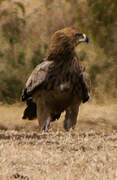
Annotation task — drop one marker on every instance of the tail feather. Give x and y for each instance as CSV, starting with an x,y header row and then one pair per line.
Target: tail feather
x,y
30,111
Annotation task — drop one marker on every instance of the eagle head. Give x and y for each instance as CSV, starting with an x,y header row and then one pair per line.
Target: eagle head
x,y
72,35
64,41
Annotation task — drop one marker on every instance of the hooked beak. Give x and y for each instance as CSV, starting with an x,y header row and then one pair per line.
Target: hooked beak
x,y
84,39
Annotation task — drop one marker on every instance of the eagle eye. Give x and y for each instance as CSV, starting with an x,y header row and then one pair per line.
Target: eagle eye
x,y
78,34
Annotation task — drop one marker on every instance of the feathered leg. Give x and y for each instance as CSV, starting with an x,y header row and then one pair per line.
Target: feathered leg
x,y
71,116
47,123
43,116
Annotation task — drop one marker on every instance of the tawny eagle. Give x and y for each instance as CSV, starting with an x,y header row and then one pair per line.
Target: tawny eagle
x,y
59,83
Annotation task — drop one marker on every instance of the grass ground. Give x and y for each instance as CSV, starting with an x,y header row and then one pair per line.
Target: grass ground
x,y
87,153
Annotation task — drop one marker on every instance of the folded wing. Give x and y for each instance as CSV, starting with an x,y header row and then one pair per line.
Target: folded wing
x,y
36,80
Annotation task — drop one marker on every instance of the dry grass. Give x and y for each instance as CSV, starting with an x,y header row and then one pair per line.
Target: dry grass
x,y
87,153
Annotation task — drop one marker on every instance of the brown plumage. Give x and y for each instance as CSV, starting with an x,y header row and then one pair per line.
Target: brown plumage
x,y
59,83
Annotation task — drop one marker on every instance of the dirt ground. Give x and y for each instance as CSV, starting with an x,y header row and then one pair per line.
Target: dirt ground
x,y
87,153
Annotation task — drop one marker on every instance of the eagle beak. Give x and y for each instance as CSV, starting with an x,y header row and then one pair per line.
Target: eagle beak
x,y
84,38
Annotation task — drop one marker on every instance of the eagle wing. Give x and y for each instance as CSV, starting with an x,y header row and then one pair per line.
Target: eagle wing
x,y
36,79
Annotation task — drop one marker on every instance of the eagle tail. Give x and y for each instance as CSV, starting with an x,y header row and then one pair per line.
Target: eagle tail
x,y
30,111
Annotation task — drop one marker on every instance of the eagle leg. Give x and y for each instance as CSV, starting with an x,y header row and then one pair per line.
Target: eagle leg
x,y
43,115
71,116
47,124
44,121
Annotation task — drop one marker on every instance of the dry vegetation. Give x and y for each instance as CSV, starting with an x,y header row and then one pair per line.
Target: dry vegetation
x,y
86,153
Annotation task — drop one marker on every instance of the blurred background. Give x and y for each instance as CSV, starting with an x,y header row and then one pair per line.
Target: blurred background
x,y
25,30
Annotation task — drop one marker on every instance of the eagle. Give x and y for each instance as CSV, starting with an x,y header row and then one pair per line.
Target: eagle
x,y
59,83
